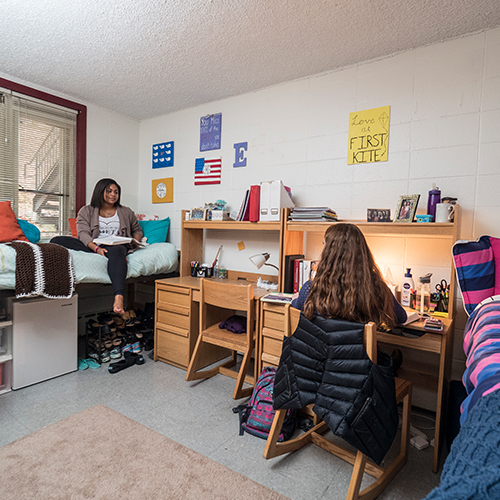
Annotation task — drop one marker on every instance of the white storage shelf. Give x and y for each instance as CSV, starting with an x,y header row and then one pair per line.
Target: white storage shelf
x,y
5,356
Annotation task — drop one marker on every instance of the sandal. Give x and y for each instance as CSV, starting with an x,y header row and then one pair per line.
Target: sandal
x,y
92,363
138,358
105,357
95,326
82,364
120,365
105,318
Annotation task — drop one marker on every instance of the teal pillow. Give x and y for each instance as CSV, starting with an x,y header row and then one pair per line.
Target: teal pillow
x,y
155,230
30,231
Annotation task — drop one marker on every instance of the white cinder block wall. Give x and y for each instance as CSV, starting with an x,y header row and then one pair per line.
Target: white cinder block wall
x,y
445,117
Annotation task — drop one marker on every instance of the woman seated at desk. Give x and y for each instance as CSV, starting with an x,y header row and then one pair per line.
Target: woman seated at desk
x,y
348,284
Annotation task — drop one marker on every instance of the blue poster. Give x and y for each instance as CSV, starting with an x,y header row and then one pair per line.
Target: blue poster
x,y
163,154
210,132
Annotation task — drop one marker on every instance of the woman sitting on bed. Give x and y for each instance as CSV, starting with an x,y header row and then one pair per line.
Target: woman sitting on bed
x,y
105,216
348,284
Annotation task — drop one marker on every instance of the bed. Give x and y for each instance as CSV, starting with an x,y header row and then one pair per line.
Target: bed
x,y
472,469
158,259
155,259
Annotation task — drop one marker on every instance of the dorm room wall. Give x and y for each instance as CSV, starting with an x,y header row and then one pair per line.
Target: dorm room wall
x,y
445,115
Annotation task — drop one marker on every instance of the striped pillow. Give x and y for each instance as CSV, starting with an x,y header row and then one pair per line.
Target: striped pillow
x,y
475,265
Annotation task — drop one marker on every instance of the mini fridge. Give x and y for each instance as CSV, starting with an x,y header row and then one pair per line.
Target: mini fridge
x,y
44,339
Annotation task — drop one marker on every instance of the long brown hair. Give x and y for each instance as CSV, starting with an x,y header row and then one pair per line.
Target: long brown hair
x,y
348,284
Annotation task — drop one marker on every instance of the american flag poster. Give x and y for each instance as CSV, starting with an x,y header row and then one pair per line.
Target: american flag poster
x,y
207,171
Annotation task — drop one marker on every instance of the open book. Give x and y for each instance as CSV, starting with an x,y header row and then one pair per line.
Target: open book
x,y
119,240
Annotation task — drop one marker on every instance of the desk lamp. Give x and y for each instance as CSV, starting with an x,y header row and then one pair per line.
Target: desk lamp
x,y
261,259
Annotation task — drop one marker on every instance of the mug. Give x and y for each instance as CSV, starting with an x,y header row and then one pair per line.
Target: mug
x,y
445,212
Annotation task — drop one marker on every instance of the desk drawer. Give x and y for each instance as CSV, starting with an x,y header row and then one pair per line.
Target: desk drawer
x,y
173,295
179,319
272,346
172,347
273,316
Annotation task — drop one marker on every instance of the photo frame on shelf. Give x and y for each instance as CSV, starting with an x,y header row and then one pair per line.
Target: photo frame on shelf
x,y
406,208
378,215
197,214
207,214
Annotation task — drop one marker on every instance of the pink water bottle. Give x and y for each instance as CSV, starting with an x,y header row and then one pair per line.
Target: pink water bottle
x,y
433,200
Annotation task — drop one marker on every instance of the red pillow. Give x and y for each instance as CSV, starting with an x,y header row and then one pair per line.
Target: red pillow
x,y
9,227
72,227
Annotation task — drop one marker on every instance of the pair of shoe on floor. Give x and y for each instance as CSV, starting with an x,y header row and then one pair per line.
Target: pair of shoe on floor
x,y
83,364
131,358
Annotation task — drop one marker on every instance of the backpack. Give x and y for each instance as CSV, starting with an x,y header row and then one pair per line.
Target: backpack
x,y
256,417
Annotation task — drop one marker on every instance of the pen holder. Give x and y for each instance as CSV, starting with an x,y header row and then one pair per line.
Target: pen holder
x,y
195,267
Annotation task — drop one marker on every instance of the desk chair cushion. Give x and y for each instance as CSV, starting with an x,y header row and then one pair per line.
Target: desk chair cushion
x,y
324,362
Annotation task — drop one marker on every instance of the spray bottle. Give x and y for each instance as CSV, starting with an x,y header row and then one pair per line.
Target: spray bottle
x,y
407,288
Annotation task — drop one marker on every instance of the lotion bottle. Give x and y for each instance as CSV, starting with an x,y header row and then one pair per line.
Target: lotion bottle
x,y
406,288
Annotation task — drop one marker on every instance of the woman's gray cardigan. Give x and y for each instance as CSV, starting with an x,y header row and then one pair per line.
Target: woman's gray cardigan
x,y
87,223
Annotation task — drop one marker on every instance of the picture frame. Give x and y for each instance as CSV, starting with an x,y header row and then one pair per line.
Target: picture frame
x,y
378,215
207,214
197,214
406,208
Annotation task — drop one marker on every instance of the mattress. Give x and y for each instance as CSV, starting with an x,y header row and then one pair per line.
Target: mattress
x,y
158,258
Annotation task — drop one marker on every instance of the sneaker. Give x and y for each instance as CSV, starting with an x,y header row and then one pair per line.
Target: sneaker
x,y
115,353
105,356
136,347
127,348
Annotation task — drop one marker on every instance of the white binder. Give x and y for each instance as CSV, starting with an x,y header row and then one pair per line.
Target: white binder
x,y
273,197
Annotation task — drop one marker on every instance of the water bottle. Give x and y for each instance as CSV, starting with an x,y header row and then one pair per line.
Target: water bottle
x,y
424,294
433,200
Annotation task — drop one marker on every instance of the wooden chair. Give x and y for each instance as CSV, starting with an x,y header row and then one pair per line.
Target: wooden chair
x,y
359,460
219,301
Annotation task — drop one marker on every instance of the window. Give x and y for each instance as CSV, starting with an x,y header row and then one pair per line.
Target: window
x,y
40,157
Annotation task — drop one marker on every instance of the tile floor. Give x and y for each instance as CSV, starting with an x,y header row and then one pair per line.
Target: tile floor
x,y
198,415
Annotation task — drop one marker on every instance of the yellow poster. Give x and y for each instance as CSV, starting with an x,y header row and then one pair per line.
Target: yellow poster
x,y
163,190
368,136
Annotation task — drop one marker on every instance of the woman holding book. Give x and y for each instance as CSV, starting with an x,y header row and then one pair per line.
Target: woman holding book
x,y
106,217
348,284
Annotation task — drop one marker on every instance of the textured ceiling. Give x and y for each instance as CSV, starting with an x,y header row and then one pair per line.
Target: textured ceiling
x,y
144,58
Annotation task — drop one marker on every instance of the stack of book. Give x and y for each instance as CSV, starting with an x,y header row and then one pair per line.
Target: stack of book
x,y
312,214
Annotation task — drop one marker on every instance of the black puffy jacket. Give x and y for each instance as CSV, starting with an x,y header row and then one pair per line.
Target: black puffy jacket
x,y
324,362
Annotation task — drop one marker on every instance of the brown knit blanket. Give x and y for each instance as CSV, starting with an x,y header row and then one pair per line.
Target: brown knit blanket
x,y
45,269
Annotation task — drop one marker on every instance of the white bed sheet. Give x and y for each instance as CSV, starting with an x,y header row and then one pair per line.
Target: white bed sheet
x,y
157,258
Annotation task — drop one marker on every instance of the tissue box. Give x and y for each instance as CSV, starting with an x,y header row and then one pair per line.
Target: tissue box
x,y
220,215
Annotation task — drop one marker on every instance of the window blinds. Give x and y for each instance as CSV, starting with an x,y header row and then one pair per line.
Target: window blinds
x,y
38,161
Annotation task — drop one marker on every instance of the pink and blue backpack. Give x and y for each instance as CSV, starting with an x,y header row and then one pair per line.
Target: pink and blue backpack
x,y
256,417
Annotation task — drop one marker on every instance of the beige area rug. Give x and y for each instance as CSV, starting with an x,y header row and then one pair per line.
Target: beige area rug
x,y
99,453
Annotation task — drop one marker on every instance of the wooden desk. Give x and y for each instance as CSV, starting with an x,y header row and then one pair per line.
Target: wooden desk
x,y
177,318
274,325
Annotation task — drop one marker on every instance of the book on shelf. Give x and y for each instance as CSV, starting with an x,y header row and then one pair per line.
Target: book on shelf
x,y
289,271
311,214
304,270
254,203
244,207
278,297
296,275
119,240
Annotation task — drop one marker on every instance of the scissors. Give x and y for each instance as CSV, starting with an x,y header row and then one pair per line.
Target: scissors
x,y
442,288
